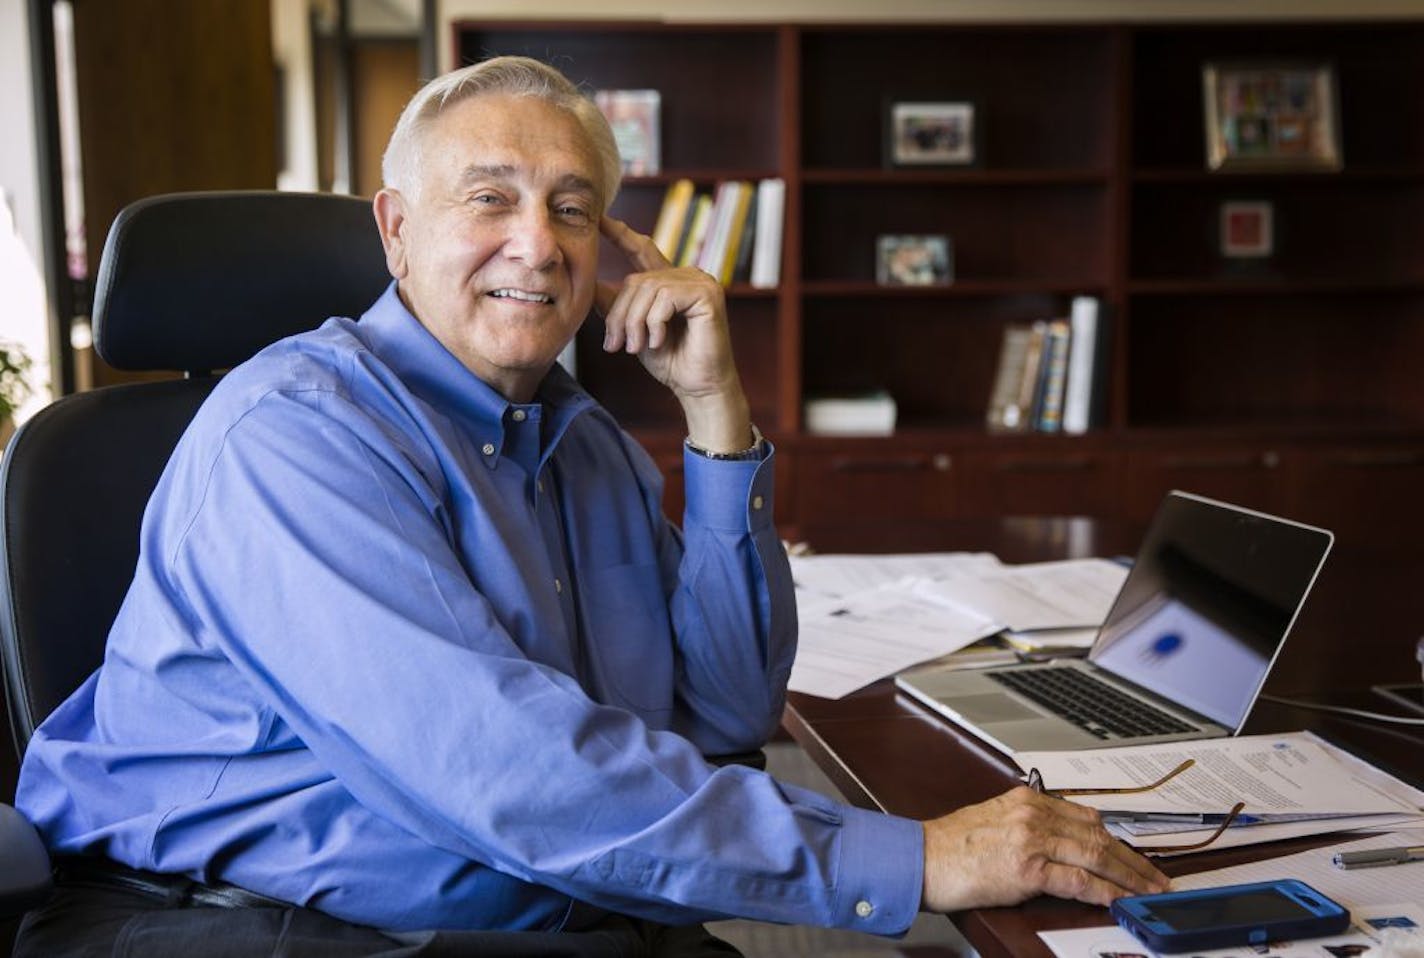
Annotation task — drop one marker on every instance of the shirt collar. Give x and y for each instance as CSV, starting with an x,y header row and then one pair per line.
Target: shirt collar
x,y
434,374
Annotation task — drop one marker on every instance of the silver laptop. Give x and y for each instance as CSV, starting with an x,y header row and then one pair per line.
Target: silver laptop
x,y
1183,653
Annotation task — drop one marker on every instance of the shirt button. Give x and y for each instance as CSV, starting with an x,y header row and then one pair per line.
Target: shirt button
x,y
487,449
864,909
519,415
756,502
558,586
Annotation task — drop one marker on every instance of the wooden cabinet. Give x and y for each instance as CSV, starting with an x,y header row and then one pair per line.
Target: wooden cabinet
x,y
1247,472
870,481
1288,383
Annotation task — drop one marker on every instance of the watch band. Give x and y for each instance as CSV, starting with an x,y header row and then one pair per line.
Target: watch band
x,y
750,454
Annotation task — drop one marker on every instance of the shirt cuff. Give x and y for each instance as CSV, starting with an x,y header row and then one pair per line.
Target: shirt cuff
x,y
880,880
727,494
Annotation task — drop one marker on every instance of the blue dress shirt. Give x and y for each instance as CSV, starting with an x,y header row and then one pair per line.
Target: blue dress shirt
x,y
407,653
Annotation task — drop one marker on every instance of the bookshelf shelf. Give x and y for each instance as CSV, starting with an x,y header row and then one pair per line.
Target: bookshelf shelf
x,y
1276,286
1349,175
703,175
956,290
1270,382
882,177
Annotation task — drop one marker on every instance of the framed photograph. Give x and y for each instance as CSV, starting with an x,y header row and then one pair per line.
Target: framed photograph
x,y
931,134
1247,230
635,118
914,261
1271,116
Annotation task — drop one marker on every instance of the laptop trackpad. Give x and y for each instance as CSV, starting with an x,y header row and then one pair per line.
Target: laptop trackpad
x,y
993,707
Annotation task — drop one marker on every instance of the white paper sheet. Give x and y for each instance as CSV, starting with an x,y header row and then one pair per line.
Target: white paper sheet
x,y
847,643
1292,773
842,575
1354,888
1038,595
864,617
1111,941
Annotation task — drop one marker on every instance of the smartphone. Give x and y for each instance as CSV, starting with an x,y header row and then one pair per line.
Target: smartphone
x,y
1410,696
1231,915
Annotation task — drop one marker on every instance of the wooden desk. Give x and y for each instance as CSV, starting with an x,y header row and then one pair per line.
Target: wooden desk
x,y
884,751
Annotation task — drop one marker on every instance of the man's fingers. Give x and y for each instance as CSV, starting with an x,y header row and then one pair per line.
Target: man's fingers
x,y
1068,881
640,250
1082,841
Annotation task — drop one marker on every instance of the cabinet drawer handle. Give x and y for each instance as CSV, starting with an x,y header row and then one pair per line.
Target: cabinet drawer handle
x,y
1376,460
1269,460
848,464
1064,464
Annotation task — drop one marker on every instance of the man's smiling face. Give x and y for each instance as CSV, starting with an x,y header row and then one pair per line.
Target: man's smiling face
x,y
497,251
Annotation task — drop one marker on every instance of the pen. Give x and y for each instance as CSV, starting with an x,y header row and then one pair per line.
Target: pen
x,y
1185,818
1380,856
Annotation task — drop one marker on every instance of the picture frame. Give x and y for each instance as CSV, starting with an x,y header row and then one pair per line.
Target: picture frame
x,y
921,133
914,260
1271,116
1247,229
635,117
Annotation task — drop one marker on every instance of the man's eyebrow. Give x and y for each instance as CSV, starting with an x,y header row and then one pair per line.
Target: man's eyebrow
x,y
492,172
575,182
504,171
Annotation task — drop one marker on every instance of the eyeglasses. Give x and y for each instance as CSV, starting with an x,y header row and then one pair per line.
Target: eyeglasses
x,y
1035,782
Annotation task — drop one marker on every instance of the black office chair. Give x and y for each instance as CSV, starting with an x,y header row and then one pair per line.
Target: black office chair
x,y
192,283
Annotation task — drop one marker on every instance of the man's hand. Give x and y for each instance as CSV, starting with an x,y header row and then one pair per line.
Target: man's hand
x,y
1021,844
675,321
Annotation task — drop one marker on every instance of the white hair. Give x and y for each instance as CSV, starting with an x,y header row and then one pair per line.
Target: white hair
x,y
507,76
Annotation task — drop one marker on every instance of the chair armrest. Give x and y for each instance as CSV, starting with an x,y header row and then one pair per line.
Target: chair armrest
x,y
25,876
754,759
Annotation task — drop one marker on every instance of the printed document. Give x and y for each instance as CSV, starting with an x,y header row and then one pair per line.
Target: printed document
x,y
842,575
1353,888
866,617
1292,784
847,643
1376,932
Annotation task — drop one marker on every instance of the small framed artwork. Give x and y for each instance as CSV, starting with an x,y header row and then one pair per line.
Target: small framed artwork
x,y
931,134
903,260
1271,116
635,118
1247,230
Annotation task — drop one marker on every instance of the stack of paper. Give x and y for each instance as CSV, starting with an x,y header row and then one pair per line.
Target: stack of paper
x,y
866,617
1292,784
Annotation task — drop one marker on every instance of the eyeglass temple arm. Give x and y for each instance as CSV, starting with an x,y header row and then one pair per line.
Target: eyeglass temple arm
x,y
1129,790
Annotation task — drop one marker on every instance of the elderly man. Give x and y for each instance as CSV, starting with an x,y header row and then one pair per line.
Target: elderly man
x,y
411,656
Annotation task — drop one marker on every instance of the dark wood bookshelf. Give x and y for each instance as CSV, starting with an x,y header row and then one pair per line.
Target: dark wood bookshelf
x,y
1287,384
908,177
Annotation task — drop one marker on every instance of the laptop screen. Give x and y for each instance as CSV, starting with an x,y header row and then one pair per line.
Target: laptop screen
x,y
1208,603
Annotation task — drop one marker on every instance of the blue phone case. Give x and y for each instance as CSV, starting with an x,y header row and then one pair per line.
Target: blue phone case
x,y
1137,915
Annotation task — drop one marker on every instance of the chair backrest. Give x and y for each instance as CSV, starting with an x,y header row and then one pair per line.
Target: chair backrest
x,y
193,283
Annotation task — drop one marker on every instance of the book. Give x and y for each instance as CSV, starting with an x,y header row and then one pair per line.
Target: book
x,y
742,269
634,116
736,230
714,248
766,254
1031,384
1004,413
672,216
696,233
1085,367
866,414
1055,374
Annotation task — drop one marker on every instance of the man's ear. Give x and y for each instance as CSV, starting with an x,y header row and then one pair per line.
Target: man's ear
x,y
389,208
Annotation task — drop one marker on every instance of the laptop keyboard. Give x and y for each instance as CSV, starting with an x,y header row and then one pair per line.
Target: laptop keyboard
x,y
1094,706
